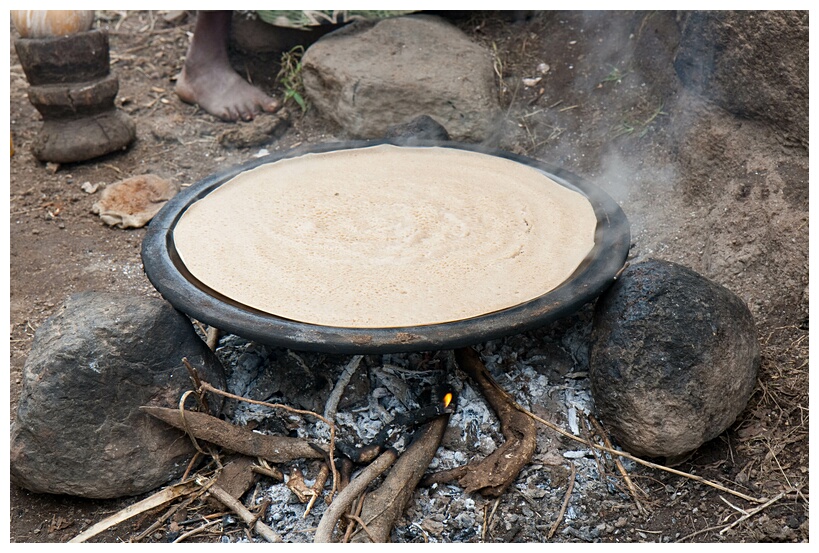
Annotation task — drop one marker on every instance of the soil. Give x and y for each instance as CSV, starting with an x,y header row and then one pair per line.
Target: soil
x,y
723,195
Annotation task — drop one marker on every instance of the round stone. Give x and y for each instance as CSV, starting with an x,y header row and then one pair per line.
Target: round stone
x,y
673,359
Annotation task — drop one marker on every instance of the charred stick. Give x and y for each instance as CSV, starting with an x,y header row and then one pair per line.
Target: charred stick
x,y
277,449
444,406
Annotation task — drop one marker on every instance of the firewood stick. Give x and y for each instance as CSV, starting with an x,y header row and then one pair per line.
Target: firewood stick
x,y
324,531
249,518
625,455
492,475
277,449
386,504
330,455
335,396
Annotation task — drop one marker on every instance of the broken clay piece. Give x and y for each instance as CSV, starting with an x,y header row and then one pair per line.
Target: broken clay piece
x,y
132,202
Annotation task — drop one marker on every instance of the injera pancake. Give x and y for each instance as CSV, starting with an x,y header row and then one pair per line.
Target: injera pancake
x,y
386,236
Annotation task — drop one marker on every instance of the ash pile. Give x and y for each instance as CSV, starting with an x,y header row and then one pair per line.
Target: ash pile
x,y
545,371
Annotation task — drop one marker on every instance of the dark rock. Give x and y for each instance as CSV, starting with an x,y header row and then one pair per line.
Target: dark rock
x,y
78,429
422,127
751,63
369,77
673,359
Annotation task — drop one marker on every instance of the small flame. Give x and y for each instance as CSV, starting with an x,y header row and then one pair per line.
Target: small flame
x,y
447,399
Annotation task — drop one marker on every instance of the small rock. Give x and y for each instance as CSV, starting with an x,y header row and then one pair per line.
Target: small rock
x,y
89,188
132,202
79,429
261,131
673,359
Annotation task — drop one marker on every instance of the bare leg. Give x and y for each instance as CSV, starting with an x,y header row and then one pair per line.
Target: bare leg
x,y
208,79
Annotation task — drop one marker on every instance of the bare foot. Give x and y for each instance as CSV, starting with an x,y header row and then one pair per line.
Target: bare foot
x,y
208,79
222,92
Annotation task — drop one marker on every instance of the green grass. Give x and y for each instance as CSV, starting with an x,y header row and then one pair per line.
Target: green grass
x,y
614,76
290,77
641,126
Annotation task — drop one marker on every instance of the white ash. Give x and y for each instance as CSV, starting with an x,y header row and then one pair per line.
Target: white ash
x,y
545,370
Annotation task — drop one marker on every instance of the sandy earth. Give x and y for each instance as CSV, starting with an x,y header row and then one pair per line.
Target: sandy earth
x,y
725,196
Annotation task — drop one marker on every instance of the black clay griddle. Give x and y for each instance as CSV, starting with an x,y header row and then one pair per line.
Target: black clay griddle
x,y
169,276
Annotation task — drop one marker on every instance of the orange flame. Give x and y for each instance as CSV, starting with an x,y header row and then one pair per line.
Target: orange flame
x,y
447,399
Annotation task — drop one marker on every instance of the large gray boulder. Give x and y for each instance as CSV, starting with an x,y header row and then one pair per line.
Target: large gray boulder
x,y
369,77
673,359
79,430
751,63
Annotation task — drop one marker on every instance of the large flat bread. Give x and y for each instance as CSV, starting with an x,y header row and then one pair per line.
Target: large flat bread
x,y
386,236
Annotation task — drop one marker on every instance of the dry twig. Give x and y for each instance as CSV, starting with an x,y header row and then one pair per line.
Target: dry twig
x,y
632,488
152,502
565,503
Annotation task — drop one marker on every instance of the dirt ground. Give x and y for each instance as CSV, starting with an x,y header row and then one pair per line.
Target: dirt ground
x,y
727,197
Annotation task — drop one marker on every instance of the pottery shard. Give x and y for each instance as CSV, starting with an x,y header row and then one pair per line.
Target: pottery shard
x,y
368,78
132,202
79,429
673,359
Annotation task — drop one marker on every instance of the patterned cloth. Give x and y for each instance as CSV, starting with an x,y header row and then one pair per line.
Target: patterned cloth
x,y
299,19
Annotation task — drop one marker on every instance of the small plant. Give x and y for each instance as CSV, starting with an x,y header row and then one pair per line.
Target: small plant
x,y
629,127
290,77
614,76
